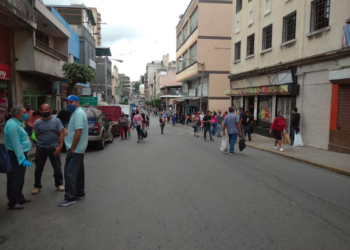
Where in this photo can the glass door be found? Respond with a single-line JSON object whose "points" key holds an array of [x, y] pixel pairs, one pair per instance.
{"points": [[285, 104]]}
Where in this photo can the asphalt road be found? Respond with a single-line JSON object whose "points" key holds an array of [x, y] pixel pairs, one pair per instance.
{"points": [[175, 191]]}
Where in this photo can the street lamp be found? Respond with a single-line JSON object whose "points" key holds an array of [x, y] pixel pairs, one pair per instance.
{"points": [[181, 59]]}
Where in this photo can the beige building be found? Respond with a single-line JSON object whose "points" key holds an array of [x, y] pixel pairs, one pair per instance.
{"points": [[292, 53], [116, 87], [97, 28], [203, 54]]}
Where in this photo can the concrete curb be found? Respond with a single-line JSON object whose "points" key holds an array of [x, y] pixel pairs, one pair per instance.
{"points": [[335, 170]]}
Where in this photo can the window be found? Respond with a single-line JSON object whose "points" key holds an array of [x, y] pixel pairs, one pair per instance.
{"points": [[186, 32], [268, 6], [267, 37], [251, 17], [250, 45], [42, 37], [320, 10], [186, 59], [239, 4], [92, 54], [179, 65], [289, 27], [238, 51], [194, 20], [193, 53], [179, 40]]}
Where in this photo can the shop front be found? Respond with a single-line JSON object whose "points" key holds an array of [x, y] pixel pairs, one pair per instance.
{"points": [[264, 102]]}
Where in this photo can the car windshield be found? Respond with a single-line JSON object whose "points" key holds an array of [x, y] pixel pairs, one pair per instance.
{"points": [[90, 114]]}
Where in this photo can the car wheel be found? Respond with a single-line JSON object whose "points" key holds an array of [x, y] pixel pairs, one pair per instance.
{"points": [[101, 143], [111, 137]]}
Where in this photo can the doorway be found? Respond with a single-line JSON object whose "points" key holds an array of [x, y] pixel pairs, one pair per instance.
{"points": [[286, 104]]}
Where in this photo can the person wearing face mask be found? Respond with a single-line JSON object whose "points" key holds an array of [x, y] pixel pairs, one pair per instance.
{"points": [[278, 126], [76, 143], [49, 132], [30, 120], [294, 126], [18, 144]]}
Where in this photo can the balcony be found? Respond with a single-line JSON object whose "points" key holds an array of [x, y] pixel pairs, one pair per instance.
{"points": [[18, 13], [50, 51]]}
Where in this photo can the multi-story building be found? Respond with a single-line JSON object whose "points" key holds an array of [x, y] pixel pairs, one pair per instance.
{"points": [[116, 86], [289, 54], [151, 70], [203, 54], [126, 86], [97, 27], [102, 85]]}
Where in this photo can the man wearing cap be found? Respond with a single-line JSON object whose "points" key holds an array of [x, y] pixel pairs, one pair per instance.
{"points": [[76, 143]]}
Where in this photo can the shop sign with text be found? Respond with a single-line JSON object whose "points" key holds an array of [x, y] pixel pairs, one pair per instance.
{"points": [[4, 72], [286, 89]]}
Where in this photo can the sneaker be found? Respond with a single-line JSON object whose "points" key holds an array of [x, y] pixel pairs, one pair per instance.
{"points": [[17, 207], [281, 149], [80, 197], [66, 203], [275, 147], [60, 188], [35, 191], [230, 154]]}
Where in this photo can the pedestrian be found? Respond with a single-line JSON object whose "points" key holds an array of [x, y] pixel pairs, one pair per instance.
{"points": [[76, 143], [54, 113], [162, 123], [123, 126], [183, 118], [130, 124], [214, 123], [137, 121], [174, 119], [18, 144], [207, 126], [294, 126], [168, 117], [225, 114], [196, 121], [201, 116], [49, 132], [187, 119], [248, 125], [233, 126], [37, 116], [219, 120], [278, 126], [29, 124], [242, 121], [147, 121]]}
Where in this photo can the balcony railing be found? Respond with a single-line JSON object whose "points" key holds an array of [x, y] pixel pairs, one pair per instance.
{"points": [[51, 51], [22, 9]]}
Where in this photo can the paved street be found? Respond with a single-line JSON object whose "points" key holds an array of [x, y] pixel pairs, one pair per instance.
{"points": [[175, 191]]}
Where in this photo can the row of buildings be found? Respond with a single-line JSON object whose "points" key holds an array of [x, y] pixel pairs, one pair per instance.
{"points": [[37, 39], [266, 56]]}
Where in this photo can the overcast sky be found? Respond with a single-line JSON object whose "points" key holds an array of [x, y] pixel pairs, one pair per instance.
{"points": [[137, 31]]}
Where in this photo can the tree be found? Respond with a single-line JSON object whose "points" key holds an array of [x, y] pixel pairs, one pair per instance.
{"points": [[156, 102], [76, 73], [137, 87]]}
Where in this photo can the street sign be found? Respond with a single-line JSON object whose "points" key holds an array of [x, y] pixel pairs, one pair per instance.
{"points": [[87, 101]]}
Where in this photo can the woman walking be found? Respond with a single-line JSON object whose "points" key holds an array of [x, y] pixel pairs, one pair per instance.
{"points": [[162, 123], [278, 126], [123, 126], [138, 120], [196, 122], [213, 123]]}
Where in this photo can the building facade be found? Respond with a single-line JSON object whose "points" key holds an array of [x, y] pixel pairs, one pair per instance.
{"points": [[289, 54], [97, 28], [203, 54]]}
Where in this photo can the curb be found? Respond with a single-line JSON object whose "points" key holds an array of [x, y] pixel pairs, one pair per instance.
{"points": [[335, 170]]}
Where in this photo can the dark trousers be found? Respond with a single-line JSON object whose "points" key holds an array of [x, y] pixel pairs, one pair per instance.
{"points": [[207, 129], [40, 160], [162, 128], [74, 174], [248, 131], [15, 181], [139, 132]]}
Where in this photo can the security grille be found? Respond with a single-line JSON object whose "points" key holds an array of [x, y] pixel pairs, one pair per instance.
{"points": [[289, 26], [320, 10], [267, 37], [239, 4], [238, 51], [250, 45]]}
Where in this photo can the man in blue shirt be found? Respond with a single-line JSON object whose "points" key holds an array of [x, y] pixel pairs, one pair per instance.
{"points": [[76, 143], [233, 126], [18, 145]]}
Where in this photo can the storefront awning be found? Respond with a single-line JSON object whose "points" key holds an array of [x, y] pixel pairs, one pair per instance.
{"points": [[285, 89]]}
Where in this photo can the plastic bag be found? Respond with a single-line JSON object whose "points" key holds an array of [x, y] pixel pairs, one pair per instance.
{"points": [[223, 147], [5, 161], [298, 141], [242, 145]]}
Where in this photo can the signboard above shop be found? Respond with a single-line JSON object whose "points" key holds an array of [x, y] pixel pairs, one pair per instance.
{"points": [[87, 101], [4, 72], [286, 89]]}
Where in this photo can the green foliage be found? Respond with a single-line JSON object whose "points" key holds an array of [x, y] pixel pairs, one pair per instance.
{"points": [[148, 103], [76, 73], [156, 102], [137, 87]]}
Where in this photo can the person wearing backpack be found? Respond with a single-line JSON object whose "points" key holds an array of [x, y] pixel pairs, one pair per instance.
{"points": [[123, 126], [219, 120], [278, 126]]}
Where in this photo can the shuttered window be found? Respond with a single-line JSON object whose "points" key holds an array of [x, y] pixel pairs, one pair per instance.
{"points": [[344, 108]]}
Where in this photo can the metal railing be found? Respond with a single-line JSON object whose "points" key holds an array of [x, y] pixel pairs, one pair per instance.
{"points": [[24, 9], [51, 51]]}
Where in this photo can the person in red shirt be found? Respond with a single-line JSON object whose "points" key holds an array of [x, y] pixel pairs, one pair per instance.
{"points": [[30, 121], [278, 126]]}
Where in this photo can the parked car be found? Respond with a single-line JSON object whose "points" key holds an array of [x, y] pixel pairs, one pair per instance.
{"points": [[100, 130]]}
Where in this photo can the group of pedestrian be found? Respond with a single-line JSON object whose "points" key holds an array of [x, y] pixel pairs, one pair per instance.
{"points": [[50, 135]]}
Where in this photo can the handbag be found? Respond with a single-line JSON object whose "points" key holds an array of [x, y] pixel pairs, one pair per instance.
{"points": [[286, 139], [298, 141], [242, 145], [144, 133], [223, 147], [5, 161]]}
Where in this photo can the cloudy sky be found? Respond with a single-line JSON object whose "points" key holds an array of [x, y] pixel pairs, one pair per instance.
{"points": [[137, 31]]}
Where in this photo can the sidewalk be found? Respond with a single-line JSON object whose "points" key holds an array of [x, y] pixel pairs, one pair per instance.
{"points": [[336, 162]]}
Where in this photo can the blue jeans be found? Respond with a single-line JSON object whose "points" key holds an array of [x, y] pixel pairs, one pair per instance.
{"points": [[232, 140], [292, 135], [196, 128], [218, 130], [213, 131], [205, 133]]}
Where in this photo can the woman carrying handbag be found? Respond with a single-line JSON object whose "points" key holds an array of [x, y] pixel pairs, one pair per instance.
{"points": [[278, 126]]}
